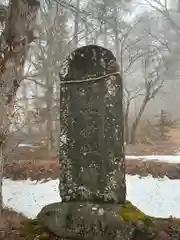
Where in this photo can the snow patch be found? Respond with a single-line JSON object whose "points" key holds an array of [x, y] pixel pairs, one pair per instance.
{"points": [[155, 197], [159, 158], [28, 197], [27, 145]]}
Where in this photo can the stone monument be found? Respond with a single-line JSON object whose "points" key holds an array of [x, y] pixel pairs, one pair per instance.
{"points": [[92, 181], [92, 124]]}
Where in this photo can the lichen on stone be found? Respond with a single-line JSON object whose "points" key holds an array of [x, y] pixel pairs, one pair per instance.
{"points": [[92, 123]]}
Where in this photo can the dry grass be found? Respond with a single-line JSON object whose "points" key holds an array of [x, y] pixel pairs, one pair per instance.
{"points": [[10, 225], [156, 169], [14, 226], [41, 164], [45, 169], [35, 170], [156, 146]]}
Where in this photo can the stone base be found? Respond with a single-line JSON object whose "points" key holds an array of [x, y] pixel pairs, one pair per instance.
{"points": [[90, 221]]}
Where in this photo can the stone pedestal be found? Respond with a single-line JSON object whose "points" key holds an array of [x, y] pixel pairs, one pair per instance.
{"points": [[86, 221]]}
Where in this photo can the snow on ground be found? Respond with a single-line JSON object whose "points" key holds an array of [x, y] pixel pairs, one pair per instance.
{"points": [[28, 145], [155, 197], [160, 158], [28, 197]]}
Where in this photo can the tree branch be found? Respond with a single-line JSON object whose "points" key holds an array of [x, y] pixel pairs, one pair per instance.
{"points": [[3, 14], [14, 45]]}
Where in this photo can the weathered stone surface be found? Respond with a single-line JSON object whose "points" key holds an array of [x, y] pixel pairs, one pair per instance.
{"points": [[92, 144], [92, 181], [86, 221]]}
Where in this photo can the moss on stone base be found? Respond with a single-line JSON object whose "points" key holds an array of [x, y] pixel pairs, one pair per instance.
{"points": [[33, 230], [128, 212]]}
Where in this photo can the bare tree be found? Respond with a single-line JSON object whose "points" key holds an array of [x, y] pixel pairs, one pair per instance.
{"points": [[153, 82], [167, 12], [141, 53], [76, 25], [48, 54], [14, 45], [129, 96], [179, 6]]}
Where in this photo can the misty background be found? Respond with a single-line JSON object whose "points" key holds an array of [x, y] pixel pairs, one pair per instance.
{"points": [[143, 35]]}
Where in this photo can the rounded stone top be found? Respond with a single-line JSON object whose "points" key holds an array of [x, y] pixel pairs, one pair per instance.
{"points": [[87, 61]]}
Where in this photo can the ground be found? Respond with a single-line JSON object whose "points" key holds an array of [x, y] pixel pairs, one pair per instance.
{"points": [[49, 168], [158, 147], [14, 226], [39, 164], [10, 225]]}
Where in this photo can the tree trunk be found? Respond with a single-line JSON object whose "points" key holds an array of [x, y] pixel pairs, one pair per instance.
{"points": [[117, 45], [126, 124], [3, 140], [136, 122], [14, 44], [179, 6], [56, 95], [26, 107], [76, 27], [105, 35], [49, 125]]}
